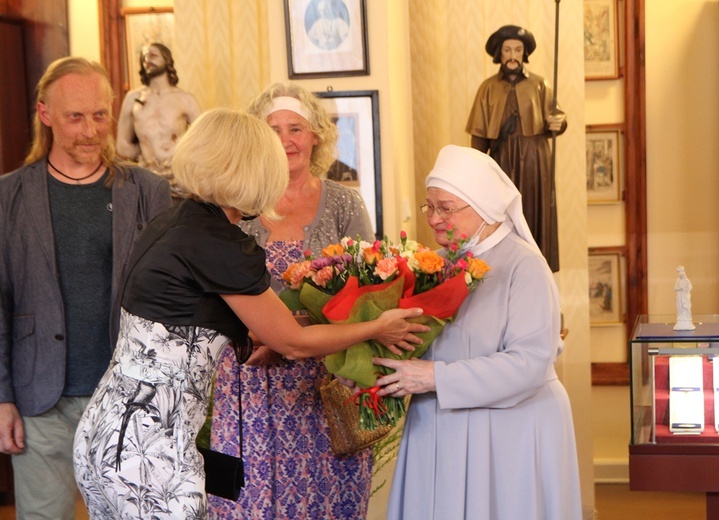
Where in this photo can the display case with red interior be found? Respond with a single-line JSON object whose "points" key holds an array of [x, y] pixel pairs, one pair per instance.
{"points": [[674, 395]]}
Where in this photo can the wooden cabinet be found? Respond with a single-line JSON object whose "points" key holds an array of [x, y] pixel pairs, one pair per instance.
{"points": [[14, 106], [665, 453]]}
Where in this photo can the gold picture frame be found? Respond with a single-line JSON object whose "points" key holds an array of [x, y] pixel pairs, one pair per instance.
{"points": [[143, 26], [601, 39], [605, 167], [606, 285]]}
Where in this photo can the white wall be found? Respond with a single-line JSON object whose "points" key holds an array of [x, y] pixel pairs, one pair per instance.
{"points": [[84, 29]]}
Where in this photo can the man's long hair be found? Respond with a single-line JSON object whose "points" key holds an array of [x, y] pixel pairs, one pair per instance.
{"points": [[169, 62], [42, 134]]}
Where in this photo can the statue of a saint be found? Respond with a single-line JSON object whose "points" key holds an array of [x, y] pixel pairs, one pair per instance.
{"points": [[683, 288]]}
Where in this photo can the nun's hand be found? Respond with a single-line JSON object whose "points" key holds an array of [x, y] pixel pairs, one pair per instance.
{"points": [[413, 376]]}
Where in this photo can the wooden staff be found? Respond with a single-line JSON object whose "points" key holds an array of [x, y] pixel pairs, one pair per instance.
{"points": [[554, 90]]}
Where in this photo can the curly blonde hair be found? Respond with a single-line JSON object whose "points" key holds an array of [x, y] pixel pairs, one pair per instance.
{"points": [[320, 123]]}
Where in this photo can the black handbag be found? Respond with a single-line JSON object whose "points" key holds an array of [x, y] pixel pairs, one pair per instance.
{"points": [[225, 474]]}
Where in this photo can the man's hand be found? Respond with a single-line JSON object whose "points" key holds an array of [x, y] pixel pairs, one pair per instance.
{"points": [[12, 433], [555, 122]]}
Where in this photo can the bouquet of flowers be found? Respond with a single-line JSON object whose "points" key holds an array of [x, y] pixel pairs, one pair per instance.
{"points": [[356, 281]]}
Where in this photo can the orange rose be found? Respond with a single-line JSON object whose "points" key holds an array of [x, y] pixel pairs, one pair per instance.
{"points": [[333, 250], [477, 268], [429, 262], [372, 255]]}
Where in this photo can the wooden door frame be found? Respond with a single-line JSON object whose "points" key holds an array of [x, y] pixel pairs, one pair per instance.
{"points": [[111, 48], [635, 195]]}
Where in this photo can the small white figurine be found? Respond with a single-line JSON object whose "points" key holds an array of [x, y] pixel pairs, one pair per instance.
{"points": [[683, 288]]}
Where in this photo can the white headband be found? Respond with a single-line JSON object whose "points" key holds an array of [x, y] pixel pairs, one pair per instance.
{"points": [[287, 103]]}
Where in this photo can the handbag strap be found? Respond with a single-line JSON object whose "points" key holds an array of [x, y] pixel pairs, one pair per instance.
{"points": [[239, 351]]}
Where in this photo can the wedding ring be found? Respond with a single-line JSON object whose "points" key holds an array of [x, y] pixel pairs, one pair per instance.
{"points": [[398, 387]]}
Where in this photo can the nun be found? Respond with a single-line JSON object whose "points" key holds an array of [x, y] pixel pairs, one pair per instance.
{"points": [[488, 434]]}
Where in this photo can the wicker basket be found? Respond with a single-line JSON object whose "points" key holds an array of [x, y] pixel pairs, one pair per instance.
{"points": [[343, 420]]}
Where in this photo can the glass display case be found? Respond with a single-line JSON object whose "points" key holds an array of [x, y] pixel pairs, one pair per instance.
{"points": [[675, 407]]}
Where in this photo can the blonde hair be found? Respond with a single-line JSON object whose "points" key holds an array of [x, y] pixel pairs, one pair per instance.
{"points": [[323, 154], [232, 159], [42, 134]]}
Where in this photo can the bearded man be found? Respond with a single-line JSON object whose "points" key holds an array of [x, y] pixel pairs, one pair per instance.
{"points": [[154, 116], [68, 221], [512, 119]]}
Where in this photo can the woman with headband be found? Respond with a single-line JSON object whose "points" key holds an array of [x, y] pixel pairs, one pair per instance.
{"points": [[291, 471], [489, 432]]}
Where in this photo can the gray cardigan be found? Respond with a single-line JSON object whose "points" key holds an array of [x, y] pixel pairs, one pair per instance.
{"points": [[32, 322], [341, 212]]}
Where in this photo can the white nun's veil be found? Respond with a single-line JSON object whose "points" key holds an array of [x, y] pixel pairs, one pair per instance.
{"points": [[478, 180]]}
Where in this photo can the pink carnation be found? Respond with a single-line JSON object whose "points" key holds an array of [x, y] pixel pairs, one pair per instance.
{"points": [[324, 275], [386, 267], [298, 274]]}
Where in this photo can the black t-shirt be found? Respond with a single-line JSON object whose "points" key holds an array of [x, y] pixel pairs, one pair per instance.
{"points": [[82, 228], [184, 261]]}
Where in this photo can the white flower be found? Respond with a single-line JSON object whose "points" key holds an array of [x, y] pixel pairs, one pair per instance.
{"points": [[412, 262], [468, 279], [411, 245]]}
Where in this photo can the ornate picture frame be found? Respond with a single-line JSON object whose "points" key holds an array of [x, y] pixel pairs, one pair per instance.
{"points": [[326, 38], [606, 266], [358, 163], [143, 26], [605, 164], [601, 39]]}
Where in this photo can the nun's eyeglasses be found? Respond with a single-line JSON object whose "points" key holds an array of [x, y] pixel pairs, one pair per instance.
{"points": [[443, 213]]}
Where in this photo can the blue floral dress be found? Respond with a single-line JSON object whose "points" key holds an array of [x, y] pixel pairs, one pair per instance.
{"points": [[290, 469]]}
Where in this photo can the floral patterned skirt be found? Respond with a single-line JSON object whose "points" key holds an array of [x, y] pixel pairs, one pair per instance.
{"points": [[134, 450]]}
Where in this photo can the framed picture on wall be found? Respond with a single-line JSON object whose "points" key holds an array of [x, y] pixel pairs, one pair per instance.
{"points": [[606, 285], [326, 38], [601, 40], [605, 155], [143, 26], [358, 164]]}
